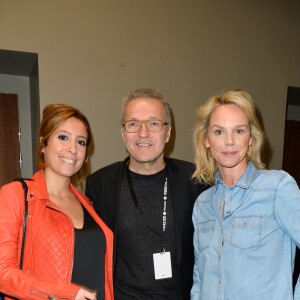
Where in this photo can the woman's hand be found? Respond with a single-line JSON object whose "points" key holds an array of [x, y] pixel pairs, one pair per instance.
{"points": [[85, 293]]}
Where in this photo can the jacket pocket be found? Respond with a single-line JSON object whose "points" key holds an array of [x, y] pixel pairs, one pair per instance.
{"points": [[205, 232], [246, 231]]}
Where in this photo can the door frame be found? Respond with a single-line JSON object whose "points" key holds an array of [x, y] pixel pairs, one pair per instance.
{"points": [[19, 72]]}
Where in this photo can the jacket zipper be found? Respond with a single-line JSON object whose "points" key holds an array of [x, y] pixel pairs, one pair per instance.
{"points": [[47, 296]]}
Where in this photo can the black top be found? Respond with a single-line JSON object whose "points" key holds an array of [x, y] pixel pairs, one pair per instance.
{"points": [[89, 252], [140, 236]]}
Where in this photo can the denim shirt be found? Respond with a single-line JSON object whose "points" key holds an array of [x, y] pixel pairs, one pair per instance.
{"points": [[249, 253]]}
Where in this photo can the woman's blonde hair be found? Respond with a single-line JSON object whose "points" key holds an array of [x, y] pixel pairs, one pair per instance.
{"points": [[206, 167], [53, 116]]}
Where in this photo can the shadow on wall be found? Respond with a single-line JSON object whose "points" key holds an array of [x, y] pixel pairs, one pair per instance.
{"points": [[171, 144], [266, 151]]}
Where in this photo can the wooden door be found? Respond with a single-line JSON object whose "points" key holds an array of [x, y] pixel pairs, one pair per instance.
{"points": [[10, 145], [291, 160], [291, 164]]}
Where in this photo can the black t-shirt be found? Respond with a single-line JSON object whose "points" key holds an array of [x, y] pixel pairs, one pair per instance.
{"points": [[140, 235], [89, 253]]}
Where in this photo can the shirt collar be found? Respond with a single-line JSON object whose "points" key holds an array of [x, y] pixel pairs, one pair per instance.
{"points": [[245, 180]]}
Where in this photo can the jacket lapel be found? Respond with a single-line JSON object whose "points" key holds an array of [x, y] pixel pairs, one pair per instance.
{"points": [[177, 192]]}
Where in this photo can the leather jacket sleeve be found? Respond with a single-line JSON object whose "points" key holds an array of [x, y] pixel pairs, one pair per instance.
{"points": [[13, 281]]}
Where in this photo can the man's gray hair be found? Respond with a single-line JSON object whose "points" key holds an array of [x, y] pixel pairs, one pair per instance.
{"points": [[149, 93]]}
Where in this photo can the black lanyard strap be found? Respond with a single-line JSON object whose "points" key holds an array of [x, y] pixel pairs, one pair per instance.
{"points": [[136, 203]]}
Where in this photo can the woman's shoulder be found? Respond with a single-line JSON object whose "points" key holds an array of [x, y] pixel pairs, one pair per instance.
{"points": [[11, 187], [274, 177], [273, 173]]}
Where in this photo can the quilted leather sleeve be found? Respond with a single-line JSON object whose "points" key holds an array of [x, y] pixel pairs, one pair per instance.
{"points": [[13, 281]]}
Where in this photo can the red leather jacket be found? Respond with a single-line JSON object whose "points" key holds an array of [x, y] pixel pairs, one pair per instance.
{"points": [[48, 256]]}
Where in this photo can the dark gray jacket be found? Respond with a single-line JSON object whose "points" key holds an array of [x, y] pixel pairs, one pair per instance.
{"points": [[103, 189]]}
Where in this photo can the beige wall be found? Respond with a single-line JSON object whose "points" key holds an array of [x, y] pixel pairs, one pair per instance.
{"points": [[91, 53]]}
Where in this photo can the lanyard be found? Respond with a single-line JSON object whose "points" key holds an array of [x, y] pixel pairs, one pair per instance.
{"points": [[165, 204], [135, 200]]}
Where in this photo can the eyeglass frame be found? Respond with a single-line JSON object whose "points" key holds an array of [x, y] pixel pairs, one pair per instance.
{"points": [[144, 122]]}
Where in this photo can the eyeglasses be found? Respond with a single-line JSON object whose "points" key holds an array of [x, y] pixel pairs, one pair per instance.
{"points": [[152, 125]]}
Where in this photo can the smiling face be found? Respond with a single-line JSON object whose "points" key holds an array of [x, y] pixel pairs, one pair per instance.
{"points": [[65, 151], [144, 147], [228, 138]]}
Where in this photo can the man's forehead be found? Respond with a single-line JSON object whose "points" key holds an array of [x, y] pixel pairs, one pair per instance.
{"points": [[144, 103]]}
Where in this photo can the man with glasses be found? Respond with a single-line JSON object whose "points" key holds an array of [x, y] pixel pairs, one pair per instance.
{"points": [[147, 200]]}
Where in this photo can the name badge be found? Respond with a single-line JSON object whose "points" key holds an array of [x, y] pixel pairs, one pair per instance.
{"points": [[162, 265]]}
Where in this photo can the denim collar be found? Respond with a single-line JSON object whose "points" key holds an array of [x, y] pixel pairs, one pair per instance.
{"points": [[245, 180]]}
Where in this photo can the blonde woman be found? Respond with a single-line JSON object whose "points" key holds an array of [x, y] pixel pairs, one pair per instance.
{"points": [[247, 225]]}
